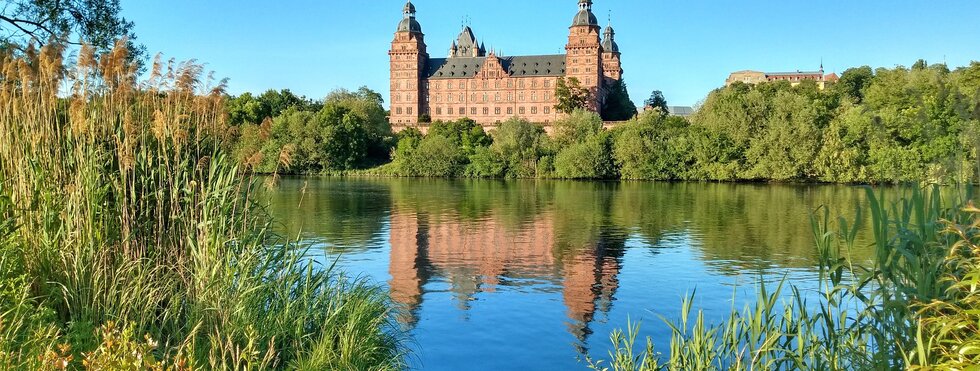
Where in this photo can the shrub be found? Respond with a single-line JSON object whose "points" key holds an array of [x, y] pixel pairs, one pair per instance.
{"points": [[435, 156], [591, 159]]}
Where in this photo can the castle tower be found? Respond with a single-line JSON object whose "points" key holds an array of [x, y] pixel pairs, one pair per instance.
{"points": [[612, 67], [584, 52], [407, 60]]}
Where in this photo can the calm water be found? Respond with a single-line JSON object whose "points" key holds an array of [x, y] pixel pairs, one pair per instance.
{"points": [[533, 275]]}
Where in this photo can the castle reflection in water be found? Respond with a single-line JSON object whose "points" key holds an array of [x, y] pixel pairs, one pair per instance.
{"points": [[480, 255]]}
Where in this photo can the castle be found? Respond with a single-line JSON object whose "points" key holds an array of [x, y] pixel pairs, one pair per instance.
{"points": [[794, 78], [489, 88]]}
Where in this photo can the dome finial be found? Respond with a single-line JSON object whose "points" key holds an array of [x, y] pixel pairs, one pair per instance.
{"points": [[585, 16], [408, 23]]}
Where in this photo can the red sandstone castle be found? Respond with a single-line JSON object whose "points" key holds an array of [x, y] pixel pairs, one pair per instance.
{"points": [[490, 88]]}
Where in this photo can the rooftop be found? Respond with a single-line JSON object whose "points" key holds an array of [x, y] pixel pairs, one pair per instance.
{"points": [[516, 66]]}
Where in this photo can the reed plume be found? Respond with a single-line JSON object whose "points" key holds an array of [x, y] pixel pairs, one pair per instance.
{"points": [[127, 230]]}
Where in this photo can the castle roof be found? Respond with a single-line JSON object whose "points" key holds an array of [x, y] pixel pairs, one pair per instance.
{"points": [[585, 16], [608, 42], [408, 22], [409, 25], [516, 66]]}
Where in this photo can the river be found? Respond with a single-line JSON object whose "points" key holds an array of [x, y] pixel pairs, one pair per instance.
{"points": [[534, 275]]}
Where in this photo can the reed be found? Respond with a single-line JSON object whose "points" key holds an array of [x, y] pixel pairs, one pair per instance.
{"points": [[913, 306], [127, 230]]}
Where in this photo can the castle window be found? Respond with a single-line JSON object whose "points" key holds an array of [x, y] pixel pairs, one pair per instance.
{"points": [[486, 111], [438, 110], [534, 83], [462, 85], [520, 110], [398, 110], [496, 97], [510, 84], [408, 110], [473, 85], [510, 110], [510, 97], [473, 111], [546, 96], [547, 110], [547, 84], [534, 96], [462, 111], [520, 96], [398, 97], [496, 111], [486, 84], [496, 84], [486, 97], [462, 98], [520, 84]]}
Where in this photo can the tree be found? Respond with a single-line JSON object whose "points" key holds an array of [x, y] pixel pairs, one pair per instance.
{"points": [[657, 101], [95, 22], [853, 81], [618, 106], [590, 159], [570, 95], [521, 143], [652, 147], [464, 133], [576, 127], [435, 156]]}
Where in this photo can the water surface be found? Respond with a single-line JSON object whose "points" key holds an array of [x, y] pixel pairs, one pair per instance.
{"points": [[534, 275]]}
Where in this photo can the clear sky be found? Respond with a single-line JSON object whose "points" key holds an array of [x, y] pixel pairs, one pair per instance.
{"points": [[684, 48]]}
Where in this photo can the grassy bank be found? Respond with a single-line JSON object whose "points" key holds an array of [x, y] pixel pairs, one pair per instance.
{"points": [[914, 306], [129, 240]]}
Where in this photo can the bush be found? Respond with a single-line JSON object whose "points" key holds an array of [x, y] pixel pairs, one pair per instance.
{"points": [[520, 143], [435, 156], [591, 159]]}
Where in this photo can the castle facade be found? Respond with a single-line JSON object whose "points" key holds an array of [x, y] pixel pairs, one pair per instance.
{"points": [[489, 88]]}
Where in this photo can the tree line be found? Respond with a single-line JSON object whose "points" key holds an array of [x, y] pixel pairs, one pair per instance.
{"points": [[886, 125]]}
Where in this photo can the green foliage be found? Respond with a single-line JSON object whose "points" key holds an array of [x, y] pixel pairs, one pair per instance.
{"points": [[912, 306], [589, 159], [657, 102], [247, 109], [348, 130], [852, 83], [653, 147], [617, 105], [127, 211], [463, 133], [434, 156], [520, 144], [570, 94], [95, 22], [577, 127]]}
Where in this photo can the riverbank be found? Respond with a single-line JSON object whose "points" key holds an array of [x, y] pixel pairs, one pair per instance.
{"points": [[886, 126], [129, 239]]}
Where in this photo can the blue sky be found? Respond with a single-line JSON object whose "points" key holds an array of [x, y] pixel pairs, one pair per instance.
{"points": [[684, 48]]}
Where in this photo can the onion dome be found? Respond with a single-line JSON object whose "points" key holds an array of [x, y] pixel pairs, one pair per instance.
{"points": [[609, 41], [585, 16], [408, 23]]}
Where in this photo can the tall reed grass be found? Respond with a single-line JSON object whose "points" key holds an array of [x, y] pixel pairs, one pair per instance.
{"points": [[914, 306], [128, 237]]}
